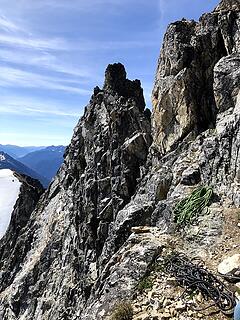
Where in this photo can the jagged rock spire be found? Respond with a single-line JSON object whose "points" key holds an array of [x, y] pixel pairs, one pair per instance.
{"points": [[100, 173], [116, 82], [115, 76], [228, 5]]}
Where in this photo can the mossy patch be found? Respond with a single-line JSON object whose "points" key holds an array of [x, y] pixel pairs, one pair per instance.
{"points": [[122, 311], [145, 283]]}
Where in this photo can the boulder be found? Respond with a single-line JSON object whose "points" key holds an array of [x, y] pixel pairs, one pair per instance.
{"points": [[229, 264]]}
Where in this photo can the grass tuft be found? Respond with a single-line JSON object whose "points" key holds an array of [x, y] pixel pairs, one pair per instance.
{"points": [[123, 311]]}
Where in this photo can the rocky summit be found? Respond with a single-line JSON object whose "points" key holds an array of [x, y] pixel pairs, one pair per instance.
{"points": [[136, 187]]}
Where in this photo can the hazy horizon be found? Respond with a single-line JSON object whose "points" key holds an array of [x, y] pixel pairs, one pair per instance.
{"points": [[28, 146]]}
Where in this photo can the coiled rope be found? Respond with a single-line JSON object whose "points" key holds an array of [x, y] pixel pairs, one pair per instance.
{"points": [[195, 278], [189, 208]]}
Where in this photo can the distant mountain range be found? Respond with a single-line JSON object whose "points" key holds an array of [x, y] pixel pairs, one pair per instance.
{"points": [[16, 151], [40, 163], [7, 162], [46, 161]]}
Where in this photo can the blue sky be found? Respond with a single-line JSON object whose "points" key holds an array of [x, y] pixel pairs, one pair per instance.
{"points": [[54, 52]]}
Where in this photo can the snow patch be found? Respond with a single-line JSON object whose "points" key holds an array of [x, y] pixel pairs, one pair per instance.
{"points": [[9, 192], [2, 157]]}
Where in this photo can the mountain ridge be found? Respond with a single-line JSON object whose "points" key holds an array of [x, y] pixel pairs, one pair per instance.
{"points": [[7, 162], [109, 215], [45, 161], [17, 151]]}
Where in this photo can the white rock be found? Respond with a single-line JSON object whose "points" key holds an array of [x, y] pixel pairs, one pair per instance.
{"points": [[140, 229], [229, 264], [180, 306]]}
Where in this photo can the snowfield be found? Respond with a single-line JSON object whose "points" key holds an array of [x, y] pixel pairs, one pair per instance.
{"points": [[9, 192]]}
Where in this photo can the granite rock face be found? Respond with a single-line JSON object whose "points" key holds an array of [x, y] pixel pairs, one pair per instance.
{"points": [[227, 5], [226, 81], [78, 255], [183, 100]]}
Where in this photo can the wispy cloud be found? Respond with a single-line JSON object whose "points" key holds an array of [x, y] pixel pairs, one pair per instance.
{"points": [[11, 108], [13, 77], [59, 44], [113, 45], [14, 34], [34, 52], [48, 61], [80, 5], [28, 107], [36, 139], [33, 43], [8, 25], [43, 54]]}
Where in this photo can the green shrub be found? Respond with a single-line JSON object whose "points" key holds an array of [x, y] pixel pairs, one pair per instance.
{"points": [[189, 208], [123, 311], [145, 283]]}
